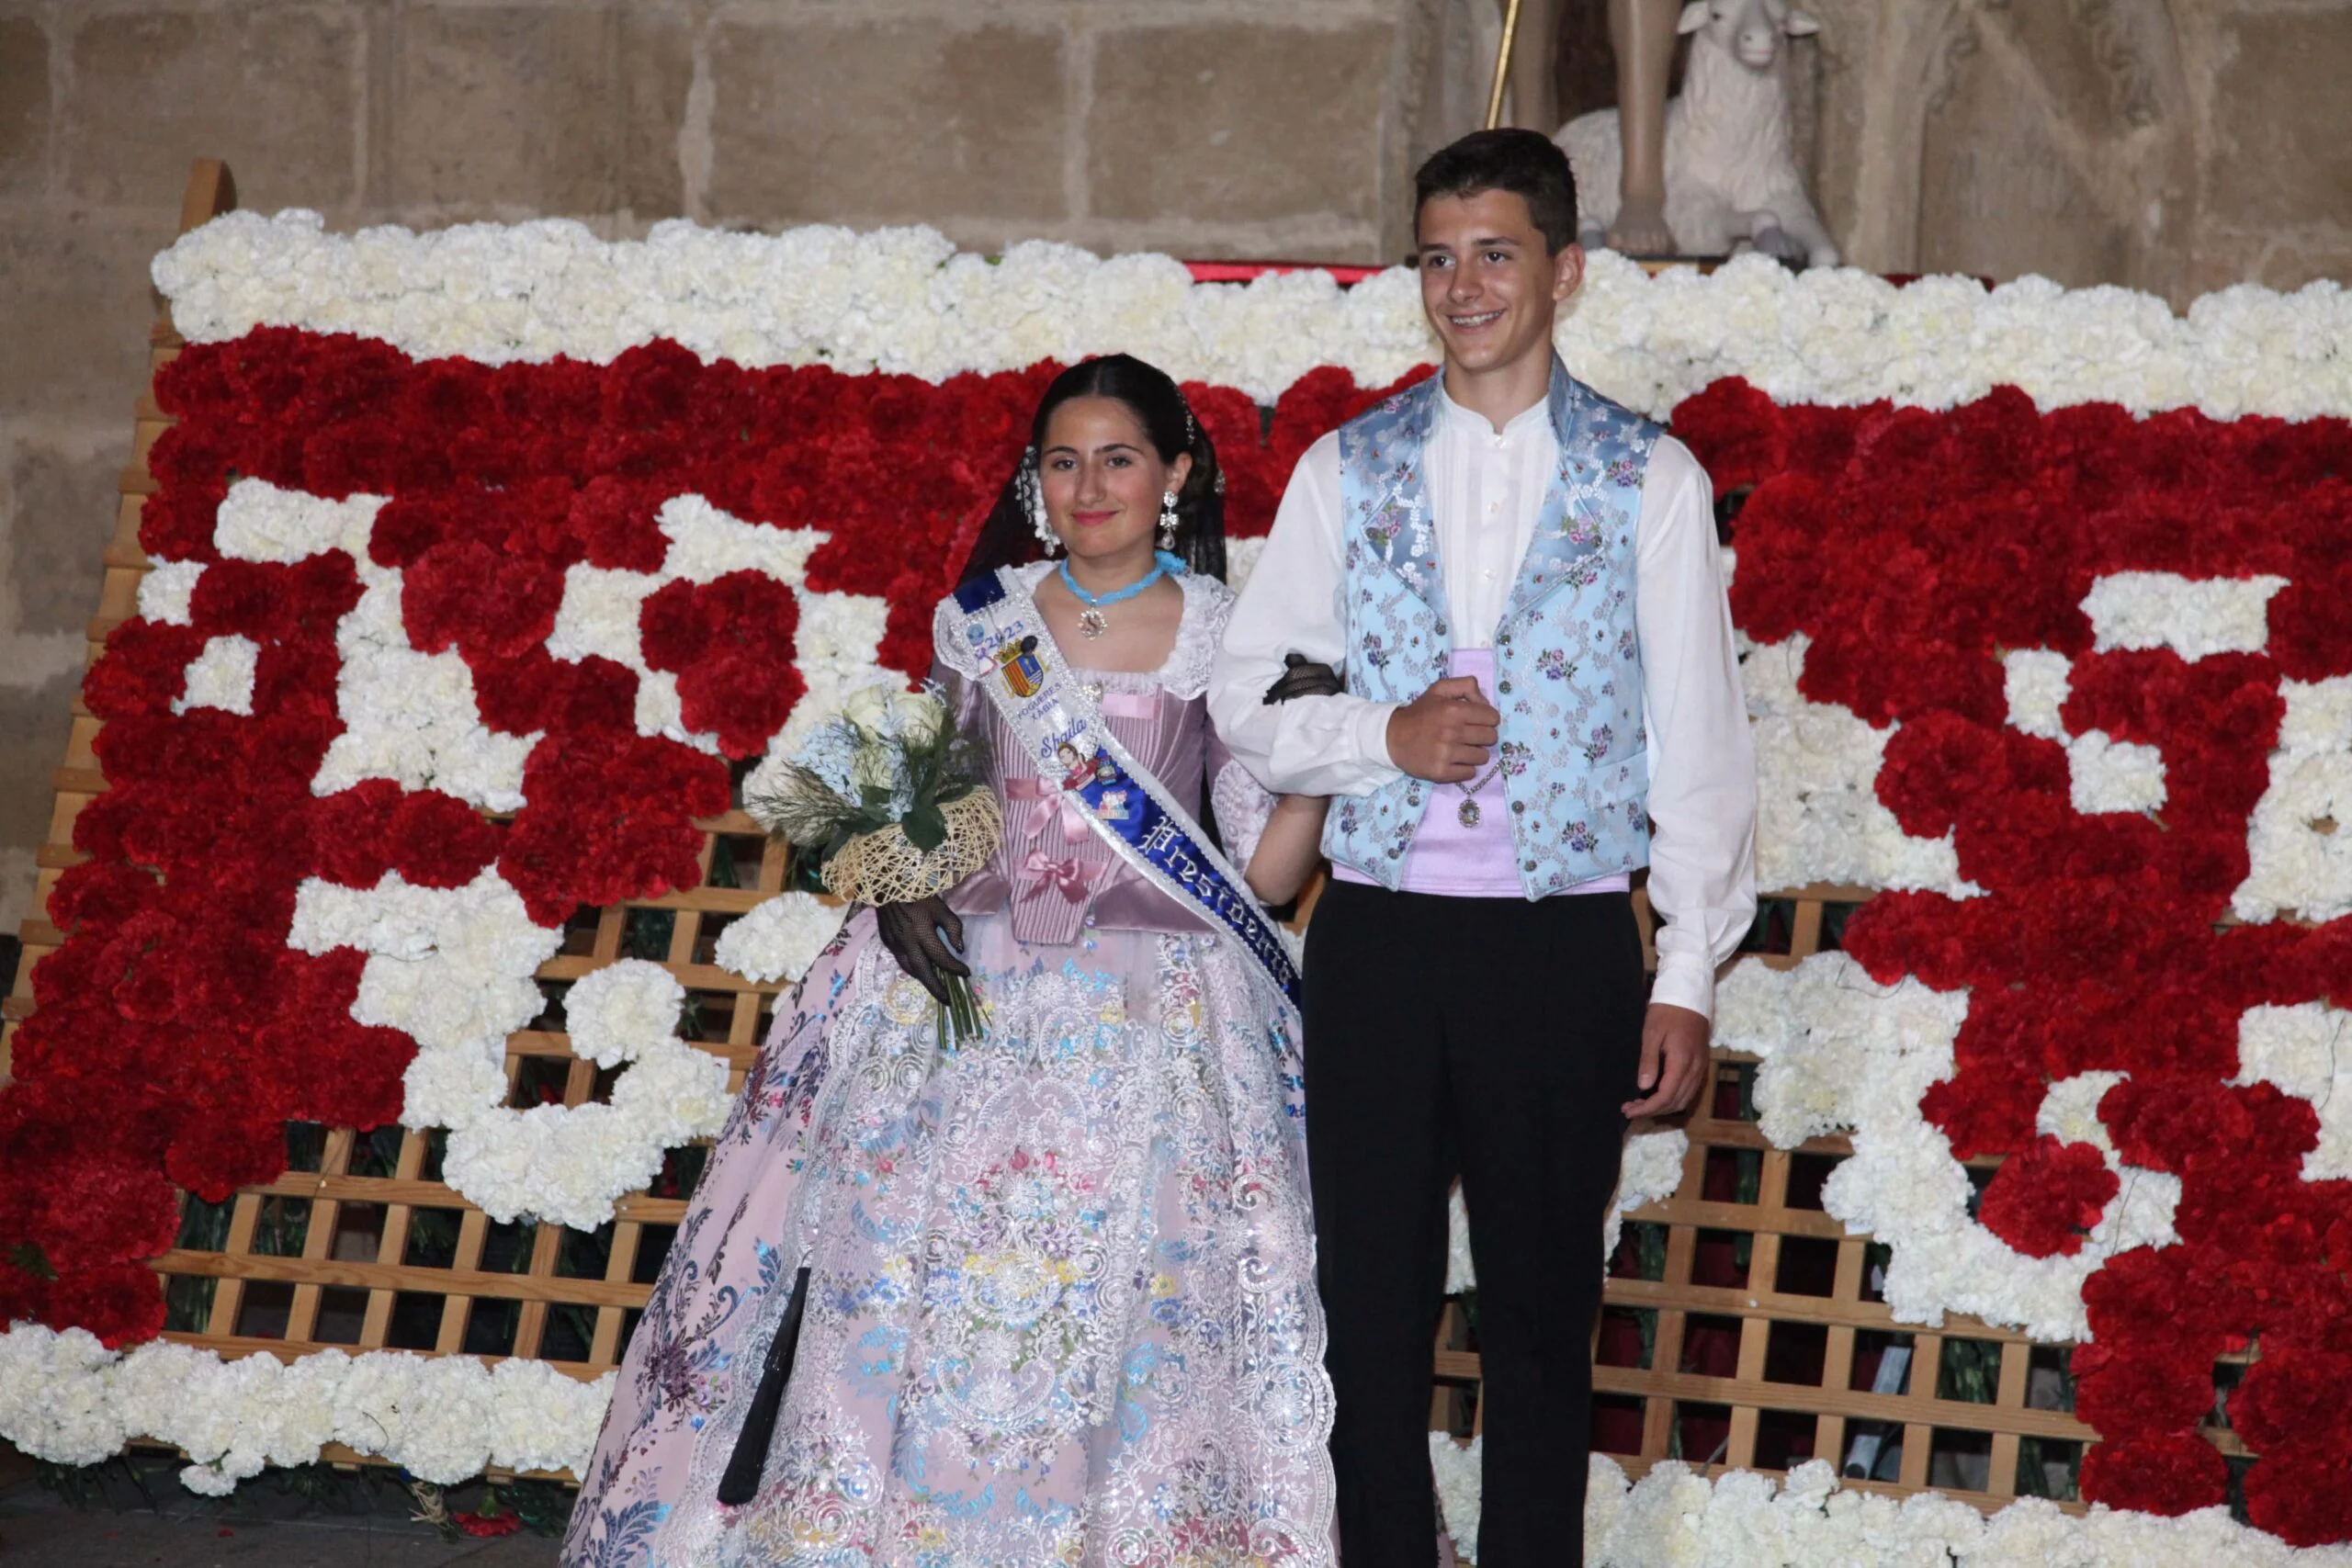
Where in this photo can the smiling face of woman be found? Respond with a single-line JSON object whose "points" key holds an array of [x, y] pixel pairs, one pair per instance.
{"points": [[1103, 480]]}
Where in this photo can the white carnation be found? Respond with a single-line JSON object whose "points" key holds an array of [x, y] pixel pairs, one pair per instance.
{"points": [[616, 1013], [904, 300], [706, 544], [167, 591], [257, 521], [1455, 1468], [2306, 1051], [221, 676], [2035, 681], [599, 615], [1819, 818], [2107, 774], [780, 937], [2069, 1109], [2196, 617], [53, 1395], [2300, 853]]}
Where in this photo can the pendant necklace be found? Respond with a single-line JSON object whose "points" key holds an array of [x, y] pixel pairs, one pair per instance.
{"points": [[1467, 813], [1091, 622]]}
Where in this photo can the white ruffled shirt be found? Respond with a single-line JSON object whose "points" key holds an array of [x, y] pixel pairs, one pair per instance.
{"points": [[1485, 487]]}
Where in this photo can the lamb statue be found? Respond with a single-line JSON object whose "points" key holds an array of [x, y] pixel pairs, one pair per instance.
{"points": [[1730, 175]]}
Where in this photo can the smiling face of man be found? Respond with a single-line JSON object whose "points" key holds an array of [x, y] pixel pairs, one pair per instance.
{"points": [[1491, 285]]}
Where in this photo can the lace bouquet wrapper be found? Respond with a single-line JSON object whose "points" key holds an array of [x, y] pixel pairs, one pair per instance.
{"points": [[888, 801]]}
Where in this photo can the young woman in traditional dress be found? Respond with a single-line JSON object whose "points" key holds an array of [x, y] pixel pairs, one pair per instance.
{"points": [[1044, 1297]]}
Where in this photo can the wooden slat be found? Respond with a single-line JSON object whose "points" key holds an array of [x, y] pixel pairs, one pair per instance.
{"points": [[386, 1278], [1852, 1404]]}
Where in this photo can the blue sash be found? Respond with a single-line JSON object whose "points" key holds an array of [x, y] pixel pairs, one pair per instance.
{"points": [[1067, 741]]}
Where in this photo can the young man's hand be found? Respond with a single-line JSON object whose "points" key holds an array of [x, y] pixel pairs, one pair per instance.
{"points": [[1674, 1060], [1445, 733]]}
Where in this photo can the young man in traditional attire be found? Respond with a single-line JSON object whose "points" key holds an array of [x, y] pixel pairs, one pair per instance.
{"points": [[1518, 579]]}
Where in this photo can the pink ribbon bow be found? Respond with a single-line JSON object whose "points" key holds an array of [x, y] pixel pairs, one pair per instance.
{"points": [[1053, 804], [1067, 877]]}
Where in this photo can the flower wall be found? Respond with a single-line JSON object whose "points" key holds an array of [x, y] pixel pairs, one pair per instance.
{"points": [[482, 558]]}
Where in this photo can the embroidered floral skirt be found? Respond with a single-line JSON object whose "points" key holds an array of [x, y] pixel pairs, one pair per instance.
{"points": [[1061, 1301]]}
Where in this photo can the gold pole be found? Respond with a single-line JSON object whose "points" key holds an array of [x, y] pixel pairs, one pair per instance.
{"points": [[1502, 67]]}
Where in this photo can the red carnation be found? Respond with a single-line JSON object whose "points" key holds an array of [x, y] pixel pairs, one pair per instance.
{"points": [[348, 832], [532, 692], [2296, 1400], [2304, 1499], [485, 1525], [92, 1212], [2169, 1472], [2046, 1197], [2310, 636], [730, 644], [1733, 431], [485, 604], [216, 1152], [272, 602], [2143, 1389], [144, 669], [610, 817], [2152, 1297], [122, 1304], [98, 892], [614, 520]]}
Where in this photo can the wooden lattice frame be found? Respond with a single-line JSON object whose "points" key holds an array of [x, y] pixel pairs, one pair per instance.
{"points": [[350, 1202]]}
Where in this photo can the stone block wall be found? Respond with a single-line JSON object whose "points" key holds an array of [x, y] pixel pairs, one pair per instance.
{"points": [[2176, 146], [2170, 144]]}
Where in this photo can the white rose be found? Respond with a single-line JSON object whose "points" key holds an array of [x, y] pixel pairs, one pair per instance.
{"points": [[868, 708], [918, 716]]}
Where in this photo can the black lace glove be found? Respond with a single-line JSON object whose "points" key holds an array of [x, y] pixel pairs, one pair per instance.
{"points": [[912, 932], [1302, 677]]}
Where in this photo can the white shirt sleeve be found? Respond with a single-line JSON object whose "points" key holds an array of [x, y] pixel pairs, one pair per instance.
{"points": [[1703, 761], [1295, 603]]}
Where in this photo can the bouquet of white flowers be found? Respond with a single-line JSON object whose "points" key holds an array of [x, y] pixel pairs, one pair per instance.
{"points": [[889, 799]]}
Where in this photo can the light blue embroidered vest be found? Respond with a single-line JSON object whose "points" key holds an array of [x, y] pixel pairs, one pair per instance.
{"points": [[1567, 668]]}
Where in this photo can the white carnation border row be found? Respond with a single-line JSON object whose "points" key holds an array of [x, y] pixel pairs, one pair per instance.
{"points": [[1674, 1517], [66, 1398], [906, 300]]}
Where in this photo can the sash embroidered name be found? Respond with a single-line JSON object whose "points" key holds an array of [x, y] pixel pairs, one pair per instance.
{"points": [[1069, 743]]}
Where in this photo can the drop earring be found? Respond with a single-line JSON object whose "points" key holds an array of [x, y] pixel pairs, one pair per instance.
{"points": [[1168, 520], [1033, 495]]}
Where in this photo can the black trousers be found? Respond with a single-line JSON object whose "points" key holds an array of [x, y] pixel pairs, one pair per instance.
{"points": [[1495, 1039]]}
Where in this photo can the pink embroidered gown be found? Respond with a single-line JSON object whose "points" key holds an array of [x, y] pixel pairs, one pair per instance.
{"points": [[1061, 1304]]}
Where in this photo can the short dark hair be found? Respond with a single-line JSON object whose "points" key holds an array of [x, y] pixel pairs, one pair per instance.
{"points": [[1525, 163]]}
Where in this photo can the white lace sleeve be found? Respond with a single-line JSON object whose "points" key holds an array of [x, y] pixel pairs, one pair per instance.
{"points": [[1208, 605], [1242, 806]]}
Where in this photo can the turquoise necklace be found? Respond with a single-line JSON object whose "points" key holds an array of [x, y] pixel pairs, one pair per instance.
{"points": [[1090, 620]]}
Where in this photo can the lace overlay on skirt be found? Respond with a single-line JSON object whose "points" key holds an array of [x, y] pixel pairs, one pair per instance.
{"points": [[1061, 1304]]}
